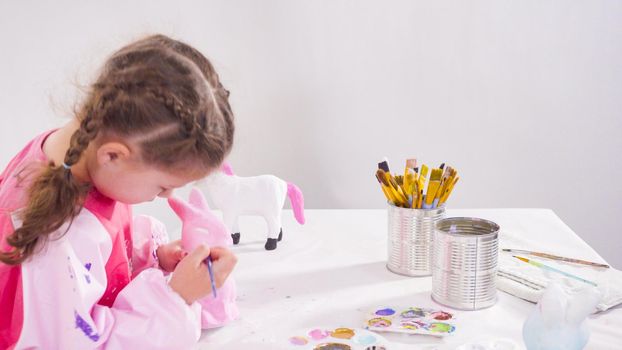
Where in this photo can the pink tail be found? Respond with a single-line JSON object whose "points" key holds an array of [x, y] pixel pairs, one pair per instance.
{"points": [[298, 202]]}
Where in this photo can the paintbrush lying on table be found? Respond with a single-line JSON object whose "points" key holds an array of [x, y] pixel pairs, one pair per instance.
{"points": [[556, 257]]}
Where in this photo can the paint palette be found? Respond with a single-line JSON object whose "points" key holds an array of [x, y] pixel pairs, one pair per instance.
{"points": [[337, 339], [411, 320]]}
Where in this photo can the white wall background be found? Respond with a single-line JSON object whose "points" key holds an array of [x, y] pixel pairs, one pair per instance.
{"points": [[524, 97]]}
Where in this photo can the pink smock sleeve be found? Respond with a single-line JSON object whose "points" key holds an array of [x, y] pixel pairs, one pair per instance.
{"points": [[148, 234], [64, 281]]}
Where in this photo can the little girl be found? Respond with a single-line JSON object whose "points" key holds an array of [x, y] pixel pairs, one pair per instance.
{"points": [[77, 271]]}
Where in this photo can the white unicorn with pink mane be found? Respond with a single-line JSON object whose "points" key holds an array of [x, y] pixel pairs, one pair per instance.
{"points": [[262, 195]]}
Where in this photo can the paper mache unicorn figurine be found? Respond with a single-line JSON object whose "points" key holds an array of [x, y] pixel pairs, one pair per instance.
{"points": [[201, 226], [557, 323], [262, 195]]}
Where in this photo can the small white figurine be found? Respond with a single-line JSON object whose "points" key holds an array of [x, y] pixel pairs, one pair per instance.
{"points": [[262, 195], [557, 321]]}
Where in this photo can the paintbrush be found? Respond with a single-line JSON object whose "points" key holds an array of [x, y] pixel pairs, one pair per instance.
{"points": [[420, 199], [556, 257], [381, 176], [397, 187], [446, 181], [394, 188], [383, 187], [384, 165], [423, 176], [411, 163], [399, 179], [210, 270], [414, 195], [444, 184], [433, 185], [410, 180], [549, 268], [450, 188]]}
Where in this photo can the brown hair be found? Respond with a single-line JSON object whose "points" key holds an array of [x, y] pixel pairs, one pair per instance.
{"points": [[162, 94]]}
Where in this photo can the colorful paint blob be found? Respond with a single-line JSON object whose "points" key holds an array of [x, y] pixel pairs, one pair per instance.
{"points": [[413, 312], [411, 324], [297, 340], [318, 334], [411, 320], [365, 339], [385, 312], [379, 322], [342, 333], [332, 346], [440, 315], [441, 327], [320, 338]]}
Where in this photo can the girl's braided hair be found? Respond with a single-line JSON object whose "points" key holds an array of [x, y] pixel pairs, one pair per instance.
{"points": [[158, 92]]}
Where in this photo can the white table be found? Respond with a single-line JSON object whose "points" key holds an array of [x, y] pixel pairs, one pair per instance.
{"points": [[332, 271]]}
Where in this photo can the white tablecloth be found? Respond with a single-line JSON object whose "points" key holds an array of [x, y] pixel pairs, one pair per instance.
{"points": [[332, 271]]}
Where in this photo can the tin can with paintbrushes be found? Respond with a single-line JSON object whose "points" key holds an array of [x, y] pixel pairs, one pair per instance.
{"points": [[410, 239]]}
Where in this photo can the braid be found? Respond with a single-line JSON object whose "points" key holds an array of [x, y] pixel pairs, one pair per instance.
{"points": [[158, 93], [218, 93], [55, 197], [89, 127], [183, 114]]}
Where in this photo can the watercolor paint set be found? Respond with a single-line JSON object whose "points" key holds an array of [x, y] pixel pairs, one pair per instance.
{"points": [[337, 339], [411, 320]]}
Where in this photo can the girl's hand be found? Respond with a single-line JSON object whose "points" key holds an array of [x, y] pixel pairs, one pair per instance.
{"points": [[170, 254], [223, 262], [191, 278]]}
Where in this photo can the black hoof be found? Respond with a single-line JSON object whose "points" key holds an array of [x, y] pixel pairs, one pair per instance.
{"points": [[236, 238], [271, 244], [280, 235]]}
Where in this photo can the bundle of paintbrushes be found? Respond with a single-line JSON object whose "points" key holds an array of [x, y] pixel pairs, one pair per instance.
{"points": [[413, 189]]}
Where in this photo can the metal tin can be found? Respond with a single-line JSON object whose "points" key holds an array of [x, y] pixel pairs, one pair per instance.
{"points": [[410, 239], [464, 263]]}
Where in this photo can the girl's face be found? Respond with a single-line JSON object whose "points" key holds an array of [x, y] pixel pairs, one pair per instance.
{"points": [[134, 186], [117, 174]]}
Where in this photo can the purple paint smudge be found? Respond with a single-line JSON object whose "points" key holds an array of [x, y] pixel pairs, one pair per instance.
{"points": [[85, 327], [385, 312]]}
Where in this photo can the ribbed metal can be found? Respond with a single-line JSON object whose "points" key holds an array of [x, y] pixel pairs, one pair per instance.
{"points": [[410, 239], [464, 263]]}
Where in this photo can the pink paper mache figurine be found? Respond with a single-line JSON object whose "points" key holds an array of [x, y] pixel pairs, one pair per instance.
{"points": [[201, 226]]}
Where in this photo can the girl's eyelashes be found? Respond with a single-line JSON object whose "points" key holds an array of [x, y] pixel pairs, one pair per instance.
{"points": [[166, 191]]}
